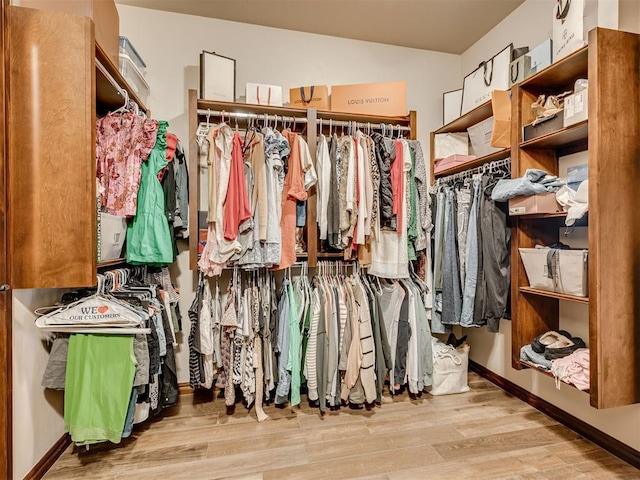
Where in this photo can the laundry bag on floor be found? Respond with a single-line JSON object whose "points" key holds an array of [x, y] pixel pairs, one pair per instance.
{"points": [[450, 367]]}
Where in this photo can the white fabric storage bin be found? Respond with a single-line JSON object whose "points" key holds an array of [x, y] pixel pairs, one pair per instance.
{"points": [[480, 136], [450, 367], [113, 231], [448, 144], [568, 270]]}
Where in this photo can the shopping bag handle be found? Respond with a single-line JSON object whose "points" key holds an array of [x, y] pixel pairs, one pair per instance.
{"points": [[562, 12], [517, 65], [304, 98], [484, 72], [258, 95]]}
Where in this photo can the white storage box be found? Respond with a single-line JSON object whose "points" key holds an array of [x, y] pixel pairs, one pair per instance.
{"points": [[576, 108], [127, 48], [555, 270], [480, 136], [134, 78], [113, 231], [448, 144]]}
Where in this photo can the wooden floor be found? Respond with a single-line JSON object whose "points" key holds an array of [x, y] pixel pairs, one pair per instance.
{"points": [[483, 434]]}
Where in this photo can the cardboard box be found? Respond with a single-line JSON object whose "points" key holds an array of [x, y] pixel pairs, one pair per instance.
{"points": [[480, 136], [452, 161], [316, 96], [552, 124], [386, 99], [103, 13], [576, 108], [532, 204]]}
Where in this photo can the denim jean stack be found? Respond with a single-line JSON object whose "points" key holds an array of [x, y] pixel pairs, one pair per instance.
{"points": [[471, 262]]}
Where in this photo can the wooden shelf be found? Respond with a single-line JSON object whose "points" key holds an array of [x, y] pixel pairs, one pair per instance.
{"points": [[469, 119], [563, 138], [361, 118], [235, 107], [108, 98], [478, 162], [539, 216], [547, 373], [111, 263], [559, 296], [560, 74]]}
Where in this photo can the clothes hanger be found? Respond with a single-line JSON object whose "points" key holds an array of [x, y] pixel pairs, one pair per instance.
{"points": [[124, 108]]}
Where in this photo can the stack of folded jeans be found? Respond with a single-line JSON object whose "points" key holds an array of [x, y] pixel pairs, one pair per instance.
{"points": [[533, 182]]}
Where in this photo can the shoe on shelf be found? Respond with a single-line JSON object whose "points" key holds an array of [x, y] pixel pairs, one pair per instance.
{"points": [[541, 342], [558, 351]]}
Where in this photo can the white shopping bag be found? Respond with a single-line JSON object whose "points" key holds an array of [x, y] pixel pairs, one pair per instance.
{"points": [[263, 94], [572, 20], [490, 75]]}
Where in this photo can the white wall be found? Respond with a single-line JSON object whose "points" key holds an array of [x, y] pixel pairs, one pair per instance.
{"points": [[530, 24], [37, 413], [170, 44]]}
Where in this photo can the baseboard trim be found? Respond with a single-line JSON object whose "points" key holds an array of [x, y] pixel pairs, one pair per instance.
{"points": [[184, 388], [607, 442], [49, 458]]}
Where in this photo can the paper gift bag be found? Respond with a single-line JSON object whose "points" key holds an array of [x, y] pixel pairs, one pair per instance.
{"points": [[315, 96], [452, 101], [492, 74], [501, 105], [263, 94]]}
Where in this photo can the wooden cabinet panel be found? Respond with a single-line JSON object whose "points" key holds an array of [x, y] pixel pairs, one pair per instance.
{"points": [[51, 150], [614, 221]]}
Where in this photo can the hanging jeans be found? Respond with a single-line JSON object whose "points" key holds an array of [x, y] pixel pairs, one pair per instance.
{"points": [[436, 320], [471, 258], [496, 239], [463, 200], [451, 292]]}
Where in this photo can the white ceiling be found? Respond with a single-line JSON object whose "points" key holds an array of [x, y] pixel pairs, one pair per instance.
{"points": [[449, 26]]}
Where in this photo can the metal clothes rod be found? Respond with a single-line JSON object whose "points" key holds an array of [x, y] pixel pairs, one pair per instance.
{"points": [[111, 80], [486, 168], [378, 126], [257, 116]]}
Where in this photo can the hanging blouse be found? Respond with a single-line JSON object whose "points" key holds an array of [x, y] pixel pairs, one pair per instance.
{"points": [[148, 237], [123, 143]]}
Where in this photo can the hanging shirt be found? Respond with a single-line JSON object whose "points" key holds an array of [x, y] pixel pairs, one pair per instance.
{"points": [[292, 192], [324, 184], [148, 238], [236, 208], [123, 144]]}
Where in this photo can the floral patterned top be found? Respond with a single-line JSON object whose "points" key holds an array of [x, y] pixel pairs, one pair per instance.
{"points": [[123, 142]]}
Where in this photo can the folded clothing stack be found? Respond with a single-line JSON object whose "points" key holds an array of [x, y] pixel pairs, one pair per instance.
{"points": [[562, 354]]}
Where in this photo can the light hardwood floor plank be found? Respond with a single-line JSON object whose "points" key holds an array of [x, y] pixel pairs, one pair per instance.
{"points": [[483, 434]]}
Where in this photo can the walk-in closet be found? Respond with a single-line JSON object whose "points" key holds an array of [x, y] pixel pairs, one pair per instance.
{"points": [[271, 240]]}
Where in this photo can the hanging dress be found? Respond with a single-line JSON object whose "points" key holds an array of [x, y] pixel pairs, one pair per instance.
{"points": [[148, 238]]}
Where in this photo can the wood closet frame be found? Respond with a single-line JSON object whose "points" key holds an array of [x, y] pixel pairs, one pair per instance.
{"points": [[314, 119], [611, 62], [48, 240]]}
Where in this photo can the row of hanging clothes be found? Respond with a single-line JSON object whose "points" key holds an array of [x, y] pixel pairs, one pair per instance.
{"points": [[113, 352], [373, 199], [338, 338], [258, 179], [471, 250], [142, 176]]}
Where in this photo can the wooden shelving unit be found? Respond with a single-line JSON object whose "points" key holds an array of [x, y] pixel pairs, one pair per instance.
{"points": [[610, 135]]}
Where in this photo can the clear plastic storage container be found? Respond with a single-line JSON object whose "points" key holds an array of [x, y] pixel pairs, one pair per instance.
{"points": [[127, 48], [133, 76]]}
